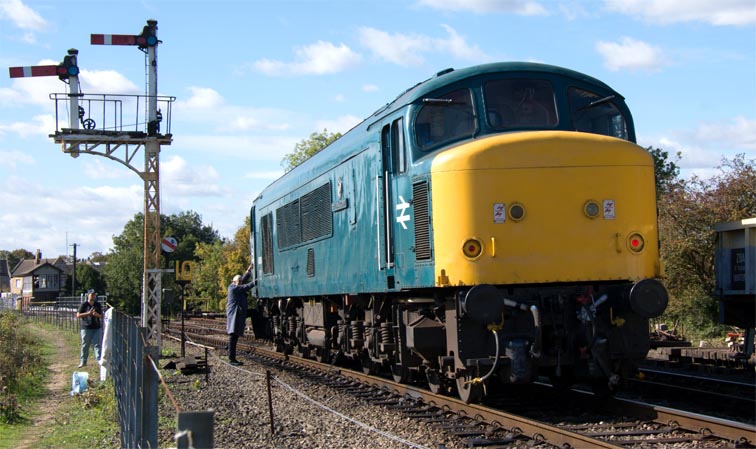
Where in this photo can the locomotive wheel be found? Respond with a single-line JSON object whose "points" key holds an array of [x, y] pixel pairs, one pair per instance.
{"points": [[469, 391], [400, 374], [322, 355], [368, 366], [436, 381]]}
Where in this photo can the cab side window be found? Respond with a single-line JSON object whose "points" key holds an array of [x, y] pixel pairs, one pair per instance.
{"points": [[444, 118], [597, 114]]}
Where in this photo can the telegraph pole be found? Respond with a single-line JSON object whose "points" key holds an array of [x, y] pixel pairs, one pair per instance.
{"points": [[73, 273]]}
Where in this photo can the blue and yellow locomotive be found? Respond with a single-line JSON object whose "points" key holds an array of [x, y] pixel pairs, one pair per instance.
{"points": [[490, 225]]}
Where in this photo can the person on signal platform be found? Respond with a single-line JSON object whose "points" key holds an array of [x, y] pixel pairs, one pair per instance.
{"points": [[236, 311]]}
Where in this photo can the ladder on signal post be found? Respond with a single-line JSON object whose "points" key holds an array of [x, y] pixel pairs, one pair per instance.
{"points": [[112, 137]]}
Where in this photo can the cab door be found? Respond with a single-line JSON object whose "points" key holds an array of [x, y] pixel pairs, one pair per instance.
{"points": [[397, 198]]}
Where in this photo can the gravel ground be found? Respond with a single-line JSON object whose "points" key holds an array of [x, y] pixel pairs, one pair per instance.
{"points": [[240, 401]]}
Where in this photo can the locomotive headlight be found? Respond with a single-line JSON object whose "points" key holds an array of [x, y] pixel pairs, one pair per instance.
{"points": [[516, 212], [635, 242], [472, 248], [591, 209]]}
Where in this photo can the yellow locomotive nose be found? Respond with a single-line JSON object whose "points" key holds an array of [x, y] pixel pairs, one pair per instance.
{"points": [[544, 207]]}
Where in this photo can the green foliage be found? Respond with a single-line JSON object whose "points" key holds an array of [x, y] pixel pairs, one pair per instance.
{"points": [[15, 256], [220, 262], [307, 148], [86, 277], [20, 366], [125, 267], [207, 282], [87, 420], [124, 270], [666, 171], [688, 211]]}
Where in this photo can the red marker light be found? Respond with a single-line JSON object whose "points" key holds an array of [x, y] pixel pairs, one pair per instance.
{"points": [[636, 242], [472, 248]]}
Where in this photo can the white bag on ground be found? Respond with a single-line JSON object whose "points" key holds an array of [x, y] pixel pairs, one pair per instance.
{"points": [[79, 382]]}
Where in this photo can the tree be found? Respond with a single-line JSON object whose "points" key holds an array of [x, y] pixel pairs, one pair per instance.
{"points": [[15, 256], [124, 270], [88, 277], [207, 281], [220, 262], [665, 170], [688, 211], [307, 148]]}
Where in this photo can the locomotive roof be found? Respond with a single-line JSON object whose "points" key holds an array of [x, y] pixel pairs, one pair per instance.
{"points": [[450, 76]]}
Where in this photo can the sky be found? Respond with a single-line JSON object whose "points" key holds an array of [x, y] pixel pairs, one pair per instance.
{"points": [[253, 78]]}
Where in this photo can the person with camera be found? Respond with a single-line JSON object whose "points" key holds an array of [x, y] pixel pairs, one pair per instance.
{"points": [[90, 325]]}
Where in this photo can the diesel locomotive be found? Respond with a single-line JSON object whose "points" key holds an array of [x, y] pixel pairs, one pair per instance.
{"points": [[490, 225]]}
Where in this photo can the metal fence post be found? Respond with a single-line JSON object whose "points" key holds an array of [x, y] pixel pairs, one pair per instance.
{"points": [[195, 430], [150, 404]]}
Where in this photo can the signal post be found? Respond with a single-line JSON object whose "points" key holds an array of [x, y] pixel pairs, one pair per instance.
{"points": [[120, 142]]}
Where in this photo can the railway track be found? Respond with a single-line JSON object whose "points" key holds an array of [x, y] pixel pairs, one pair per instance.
{"points": [[611, 424]]}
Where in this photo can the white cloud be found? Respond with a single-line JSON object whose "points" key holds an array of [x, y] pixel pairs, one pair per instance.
{"points": [[22, 16], [107, 81], [341, 124], [458, 47], [631, 54], [89, 216], [208, 106], [721, 12], [400, 49], [98, 168], [522, 7], [33, 90], [370, 88], [702, 148], [178, 178], [240, 148], [738, 134], [320, 58], [11, 159], [39, 125], [408, 49], [202, 98]]}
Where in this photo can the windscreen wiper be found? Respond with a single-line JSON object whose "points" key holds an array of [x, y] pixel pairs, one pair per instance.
{"points": [[595, 103]]}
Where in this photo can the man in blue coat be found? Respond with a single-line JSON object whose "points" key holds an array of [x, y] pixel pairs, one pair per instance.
{"points": [[236, 311]]}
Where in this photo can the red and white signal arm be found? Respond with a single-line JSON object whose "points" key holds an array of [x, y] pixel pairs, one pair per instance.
{"points": [[169, 244]]}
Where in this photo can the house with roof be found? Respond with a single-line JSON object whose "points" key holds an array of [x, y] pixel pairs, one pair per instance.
{"points": [[38, 279]]}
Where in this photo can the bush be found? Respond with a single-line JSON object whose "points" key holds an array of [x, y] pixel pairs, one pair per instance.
{"points": [[19, 360]]}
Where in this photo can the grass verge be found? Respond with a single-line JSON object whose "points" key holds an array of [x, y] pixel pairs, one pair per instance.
{"points": [[86, 420]]}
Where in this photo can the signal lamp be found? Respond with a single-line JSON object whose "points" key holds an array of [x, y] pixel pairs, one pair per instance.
{"points": [[635, 242], [472, 248], [67, 68], [516, 212], [591, 209]]}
